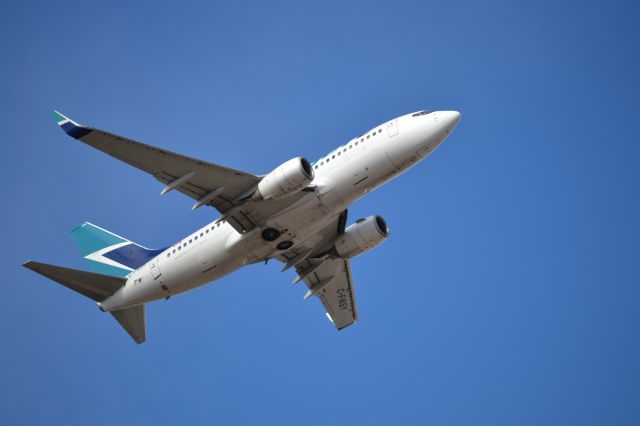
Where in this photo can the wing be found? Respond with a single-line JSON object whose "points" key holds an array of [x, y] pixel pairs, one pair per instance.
{"points": [[207, 183], [327, 277], [332, 283]]}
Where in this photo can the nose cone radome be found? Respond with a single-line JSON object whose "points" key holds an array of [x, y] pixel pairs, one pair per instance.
{"points": [[449, 118]]}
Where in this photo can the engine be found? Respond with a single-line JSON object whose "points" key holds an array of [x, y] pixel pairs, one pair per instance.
{"points": [[362, 236], [286, 179]]}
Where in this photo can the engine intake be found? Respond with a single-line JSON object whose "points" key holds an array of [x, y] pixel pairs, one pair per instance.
{"points": [[362, 236], [286, 179]]}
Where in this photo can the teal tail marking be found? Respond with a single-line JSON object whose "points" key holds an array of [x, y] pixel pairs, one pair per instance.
{"points": [[108, 253], [94, 242]]}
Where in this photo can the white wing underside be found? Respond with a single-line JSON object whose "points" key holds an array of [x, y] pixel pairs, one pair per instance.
{"points": [[204, 178], [338, 295]]}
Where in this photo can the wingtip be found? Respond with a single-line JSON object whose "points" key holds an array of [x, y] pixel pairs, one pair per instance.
{"points": [[70, 127], [60, 118]]}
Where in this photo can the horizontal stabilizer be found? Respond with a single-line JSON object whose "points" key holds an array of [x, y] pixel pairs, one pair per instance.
{"points": [[95, 286], [133, 321]]}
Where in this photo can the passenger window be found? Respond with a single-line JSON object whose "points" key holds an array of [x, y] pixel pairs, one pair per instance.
{"points": [[174, 251], [201, 234], [368, 136], [196, 238], [179, 248], [339, 152], [333, 158], [218, 224], [190, 241], [168, 254], [350, 146], [356, 143], [207, 231]]}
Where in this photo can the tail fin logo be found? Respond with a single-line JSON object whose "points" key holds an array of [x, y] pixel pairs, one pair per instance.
{"points": [[108, 253]]}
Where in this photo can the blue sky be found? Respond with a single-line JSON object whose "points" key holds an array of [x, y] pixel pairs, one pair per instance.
{"points": [[507, 293]]}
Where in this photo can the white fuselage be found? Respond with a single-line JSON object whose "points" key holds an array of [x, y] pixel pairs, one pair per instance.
{"points": [[341, 177]]}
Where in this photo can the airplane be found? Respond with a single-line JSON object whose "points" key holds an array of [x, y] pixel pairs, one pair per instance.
{"points": [[297, 214]]}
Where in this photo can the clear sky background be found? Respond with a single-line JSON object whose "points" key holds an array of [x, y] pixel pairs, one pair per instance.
{"points": [[507, 294]]}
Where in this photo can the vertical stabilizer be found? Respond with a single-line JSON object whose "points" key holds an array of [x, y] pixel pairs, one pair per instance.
{"points": [[108, 253]]}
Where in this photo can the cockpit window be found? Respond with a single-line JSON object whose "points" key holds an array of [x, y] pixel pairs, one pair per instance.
{"points": [[420, 113]]}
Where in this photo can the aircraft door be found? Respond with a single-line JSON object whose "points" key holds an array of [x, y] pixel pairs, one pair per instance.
{"points": [[392, 128], [155, 269]]}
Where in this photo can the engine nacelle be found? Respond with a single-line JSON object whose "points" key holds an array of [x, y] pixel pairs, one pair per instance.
{"points": [[286, 179], [362, 236]]}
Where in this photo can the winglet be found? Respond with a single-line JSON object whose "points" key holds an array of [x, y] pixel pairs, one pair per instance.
{"points": [[70, 127]]}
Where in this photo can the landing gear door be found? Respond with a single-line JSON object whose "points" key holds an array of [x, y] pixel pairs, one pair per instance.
{"points": [[392, 128], [155, 269]]}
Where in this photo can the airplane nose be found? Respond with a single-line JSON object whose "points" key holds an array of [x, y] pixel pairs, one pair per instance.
{"points": [[449, 118]]}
